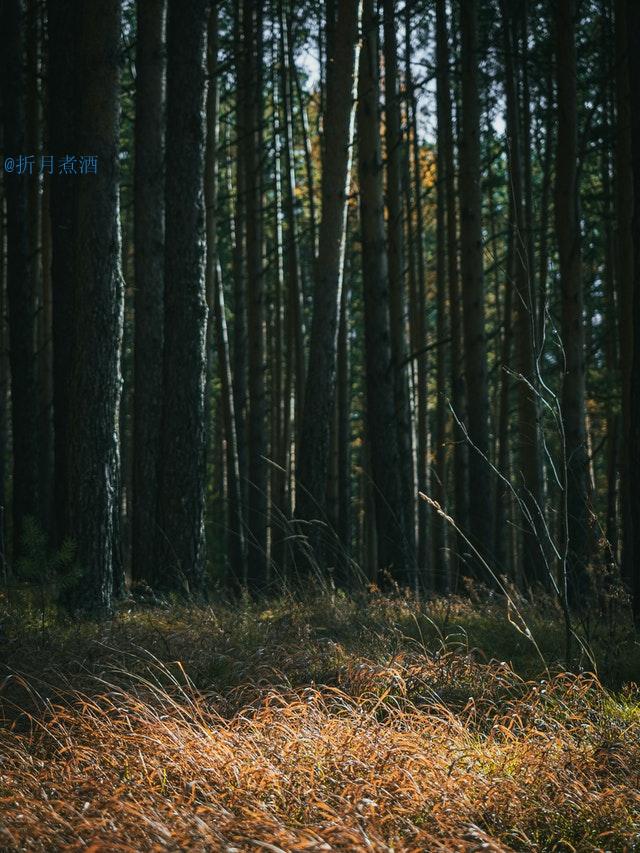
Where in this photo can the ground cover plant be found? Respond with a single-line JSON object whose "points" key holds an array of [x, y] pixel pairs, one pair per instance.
{"points": [[316, 723]]}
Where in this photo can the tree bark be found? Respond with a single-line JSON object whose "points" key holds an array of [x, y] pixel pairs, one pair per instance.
{"points": [[149, 281], [480, 503], [624, 178], [396, 255], [320, 384], [20, 277], [257, 514], [394, 554], [95, 380], [633, 436], [180, 537], [529, 480], [217, 315], [567, 199]]}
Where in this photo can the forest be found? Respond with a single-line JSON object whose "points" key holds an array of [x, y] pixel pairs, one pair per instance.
{"points": [[318, 521]]}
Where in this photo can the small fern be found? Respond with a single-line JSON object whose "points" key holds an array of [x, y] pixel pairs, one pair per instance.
{"points": [[52, 572]]}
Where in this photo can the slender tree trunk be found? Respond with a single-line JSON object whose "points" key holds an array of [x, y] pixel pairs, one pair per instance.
{"points": [[62, 86], [217, 314], [293, 273], [480, 503], [439, 531], [446, 173], [149, 281], [633, 437], [625, 278], [180, 538], [20, 276], [418, 316], [257, 424], [503, 459], [391, 524], [529, 450], [95, 380], [344, 440], [396, 255], [568, 236], [4, 398], [320, 385]]}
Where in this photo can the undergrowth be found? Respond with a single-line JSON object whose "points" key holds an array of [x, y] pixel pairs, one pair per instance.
{"points": [[317, 723]]}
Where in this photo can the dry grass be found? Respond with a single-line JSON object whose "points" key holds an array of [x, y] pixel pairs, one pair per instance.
{"points": [[323, 725]]}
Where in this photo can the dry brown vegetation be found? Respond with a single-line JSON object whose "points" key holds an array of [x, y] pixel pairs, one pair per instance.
{"points": [[346, 724]]}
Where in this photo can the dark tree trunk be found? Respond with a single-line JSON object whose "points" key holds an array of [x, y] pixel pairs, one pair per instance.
{"points": [[394, 555], [567, 203], [257, 515], [396, 255], [633, 437], [312, 469], [625, 279], [94, 381], [62, 90], [149, 281], [4, 398], [20, 277], [446, 172], [239, 353], [217, 316], [418, 317], [180, 535], [528, 431], [480, 503]]}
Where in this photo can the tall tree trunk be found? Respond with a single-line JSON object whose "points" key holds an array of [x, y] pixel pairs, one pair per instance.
{"points": [[396, 255], [633, 436], [20, 276], [418, 314], [239, 354], [528, 432], [149, 281], [568, 236], [446, 173], [62, 90], [439, 531], [625, 278], [295, 325], [4, 398], [257, 426], [480, 503], [391, 524], [95, 380], [217, 314], [344, 440], [180, 537], [320, 384]]}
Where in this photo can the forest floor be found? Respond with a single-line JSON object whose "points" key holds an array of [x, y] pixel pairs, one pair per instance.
{"points": [[318, 723]]}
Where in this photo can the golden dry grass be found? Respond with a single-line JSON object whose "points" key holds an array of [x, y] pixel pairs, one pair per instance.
{"points": [[402, 748]]}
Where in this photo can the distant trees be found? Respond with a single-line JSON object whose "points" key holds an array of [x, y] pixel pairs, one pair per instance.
{"points": [[305, 345]]}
